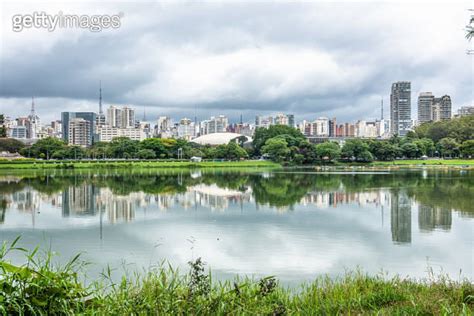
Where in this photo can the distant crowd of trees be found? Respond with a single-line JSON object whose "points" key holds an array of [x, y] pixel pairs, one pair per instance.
{"points": [[451, 138], [124, 148]]}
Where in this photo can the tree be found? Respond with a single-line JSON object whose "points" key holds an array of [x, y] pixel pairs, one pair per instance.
{"points": [[123, 147], [234, 151], [426, 146], [328, 150], [384, 150], [467, 148], [263, 134], [44, 148], [156, 145], [448, 147], [146, 154], [411, 150], [277, 149], [470, 28], [11, 145], [357, 149]]}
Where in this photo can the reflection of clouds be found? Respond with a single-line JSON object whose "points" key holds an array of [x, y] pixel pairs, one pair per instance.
{"points": [[326, 231]]}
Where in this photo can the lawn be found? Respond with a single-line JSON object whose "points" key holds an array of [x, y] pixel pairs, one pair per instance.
{"points": [[38, 164], [443, 162]]}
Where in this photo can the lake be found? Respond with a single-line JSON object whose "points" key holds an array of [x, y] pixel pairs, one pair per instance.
{"points": [[292, 223]]}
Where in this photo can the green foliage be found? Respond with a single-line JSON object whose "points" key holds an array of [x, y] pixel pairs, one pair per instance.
{"points": [[461, 129], [44, 148], [146, 154], [467, 148], [123, 147], [448, 147], [263, 134], [39, 286], [328, 150], [10, 145], [277, 149], [411, 150], [385, 150], [356, 149]]}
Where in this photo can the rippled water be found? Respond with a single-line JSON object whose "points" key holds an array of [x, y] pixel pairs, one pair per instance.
{"points": [[293, 224]]}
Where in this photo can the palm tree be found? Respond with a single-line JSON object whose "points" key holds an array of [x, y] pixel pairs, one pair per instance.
{"points": [[470, 28]]}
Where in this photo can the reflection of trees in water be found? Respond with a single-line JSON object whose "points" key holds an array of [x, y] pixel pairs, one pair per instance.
{"points": [[280, 189], [443, 190]]}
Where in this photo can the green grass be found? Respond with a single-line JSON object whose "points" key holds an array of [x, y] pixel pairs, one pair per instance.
{"points": [[10, 165], [43, 288], [429, 162]]}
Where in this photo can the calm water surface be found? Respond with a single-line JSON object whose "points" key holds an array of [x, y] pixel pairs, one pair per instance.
{"points": [[292, 224]]}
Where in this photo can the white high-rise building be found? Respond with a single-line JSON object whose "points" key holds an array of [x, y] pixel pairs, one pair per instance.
{"points": [[186, 129], [79, 132], [120, 117], [321, 127], [216, 124]]}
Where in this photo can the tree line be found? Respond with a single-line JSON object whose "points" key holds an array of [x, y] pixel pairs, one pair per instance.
{"points": [[451, 138], [124, 148]]}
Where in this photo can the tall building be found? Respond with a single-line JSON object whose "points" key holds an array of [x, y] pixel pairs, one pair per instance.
{"points": [[216, 124], [79, 132], [433, 109], [163, 127], [320, 127], [261, 121], [425, 107], [120, 117], [291, 120], [442, 106], [66, 117], [186, 129], [400, 108], [332, 127]]}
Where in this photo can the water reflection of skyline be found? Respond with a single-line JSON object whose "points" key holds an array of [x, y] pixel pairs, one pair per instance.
{"points": [[84, 199]]}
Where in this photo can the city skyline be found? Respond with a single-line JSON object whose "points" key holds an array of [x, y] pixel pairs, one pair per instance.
{"points": [[299, 62]]}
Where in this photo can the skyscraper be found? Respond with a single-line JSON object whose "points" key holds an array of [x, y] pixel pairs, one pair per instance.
{"points": [[400, 108], [121, 117], [66, 117], [79, 132], [425, 107], [443, 108]]}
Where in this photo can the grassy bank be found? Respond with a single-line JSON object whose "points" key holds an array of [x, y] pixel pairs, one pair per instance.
{"points": [[28, 164], [40, 287], [429, 162]]}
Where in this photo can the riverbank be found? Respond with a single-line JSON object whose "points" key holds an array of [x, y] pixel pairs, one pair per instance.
{"points": [[23, 164], [428, 162], [104, 164], [44, 288]]}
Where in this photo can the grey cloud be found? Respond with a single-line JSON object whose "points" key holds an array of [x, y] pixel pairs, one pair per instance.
{"points": [[190, 59]]}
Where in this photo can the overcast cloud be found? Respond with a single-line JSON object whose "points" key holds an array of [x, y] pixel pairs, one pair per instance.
{"points": [[201, 59]]}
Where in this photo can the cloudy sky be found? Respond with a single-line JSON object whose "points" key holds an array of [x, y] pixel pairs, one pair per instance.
{"points": [[208, 58]]}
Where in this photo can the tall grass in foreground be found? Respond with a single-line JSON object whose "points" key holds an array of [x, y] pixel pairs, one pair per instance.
{"points": [[40, 287]]}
